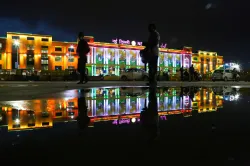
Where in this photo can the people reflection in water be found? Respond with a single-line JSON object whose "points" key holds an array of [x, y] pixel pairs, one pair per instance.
{"points": [[149, 116], [191, 93], [184, 91], [188, 91], [82, 120]]}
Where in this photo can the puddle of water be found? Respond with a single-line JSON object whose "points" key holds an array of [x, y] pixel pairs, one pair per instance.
{"points": [[177, 114], [118, 105]]}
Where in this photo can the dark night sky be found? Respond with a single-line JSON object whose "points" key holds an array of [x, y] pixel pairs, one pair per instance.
{"points": [[212, 25]]}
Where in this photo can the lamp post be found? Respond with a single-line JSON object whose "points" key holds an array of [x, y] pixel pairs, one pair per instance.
{"points": [[17, 44]]}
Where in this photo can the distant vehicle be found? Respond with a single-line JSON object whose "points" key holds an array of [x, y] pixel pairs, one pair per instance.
{"points": [[229, 93], [134, 74], [225, 75], [225, 90]]}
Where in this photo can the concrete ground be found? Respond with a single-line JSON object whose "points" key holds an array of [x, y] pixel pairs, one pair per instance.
{"points": [[22, 90]]}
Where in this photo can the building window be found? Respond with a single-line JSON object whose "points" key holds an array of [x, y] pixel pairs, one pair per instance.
{"points": [[58, 58], [15, 37], [30, 38], [58, 67], [71, 67], [30, 47], [44, 62], [45, 39], [71, 50], [30, 60], [0, 56], [45, 67], [71, 59], [58, 48], [1, 46], [45, 49], [44, 56], [195, 59]]}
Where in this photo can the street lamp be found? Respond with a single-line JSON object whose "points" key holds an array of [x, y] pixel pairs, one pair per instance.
{"points": [[17, 44]]}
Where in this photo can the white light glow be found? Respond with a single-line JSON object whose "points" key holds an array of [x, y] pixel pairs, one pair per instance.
{"points": [[16, 43], [71, 46], [237, 96], [133, 43], [133, 120], [17, 121]]}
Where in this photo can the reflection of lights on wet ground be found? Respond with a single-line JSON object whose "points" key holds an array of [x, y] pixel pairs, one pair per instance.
{"points": [[236, 97], [232, 97]]}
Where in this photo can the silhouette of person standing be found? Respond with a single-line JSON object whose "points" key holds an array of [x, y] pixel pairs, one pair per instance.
{"points": [[153, 48], [191, 73], [82, 120], [182, 71], [149, 115], [82, 51]]}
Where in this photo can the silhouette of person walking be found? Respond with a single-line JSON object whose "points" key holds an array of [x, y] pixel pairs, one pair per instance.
{"points": [[153, 48], [149, 116], [82, 120], [82, 51]]}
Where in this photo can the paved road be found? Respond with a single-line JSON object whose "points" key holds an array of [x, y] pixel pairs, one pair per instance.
{"points": [[31, 90]]}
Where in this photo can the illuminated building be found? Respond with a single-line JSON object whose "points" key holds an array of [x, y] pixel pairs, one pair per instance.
{"points": [[206, 101], [205, 62], [2, 53], [40, 52], [109, 104], [23, 119]]}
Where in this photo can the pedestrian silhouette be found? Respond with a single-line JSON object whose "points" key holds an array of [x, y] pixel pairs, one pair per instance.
{"points": [[149, 116], [152, 46], [191, 73], [82, 120], [182, 73], [82, 51]]}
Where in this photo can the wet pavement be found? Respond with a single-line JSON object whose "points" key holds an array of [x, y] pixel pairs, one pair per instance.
{"points": [[16, 90], [171, 125]]}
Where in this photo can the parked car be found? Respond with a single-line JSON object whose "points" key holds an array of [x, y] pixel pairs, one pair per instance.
{"points": [[217, 75], [134, 74], [225, 75], [111, 77]]}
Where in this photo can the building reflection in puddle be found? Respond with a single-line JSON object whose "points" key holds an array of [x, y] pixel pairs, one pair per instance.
{"points": [[118, 105]]}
